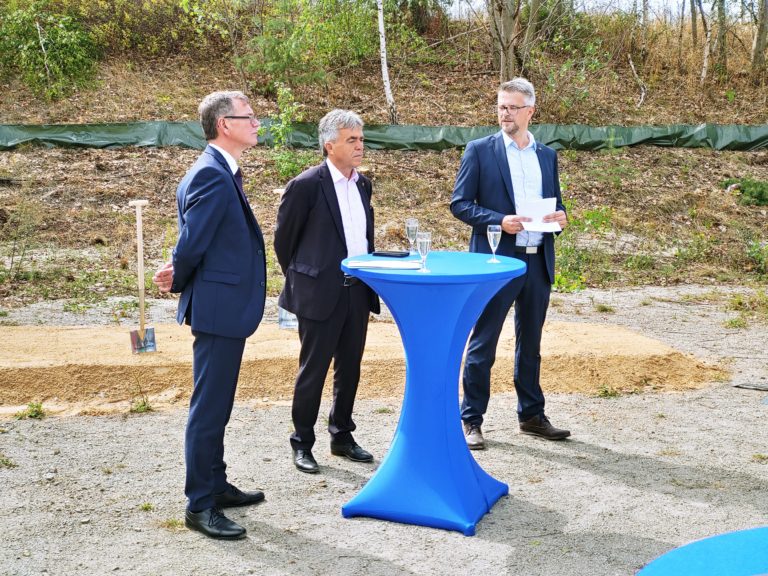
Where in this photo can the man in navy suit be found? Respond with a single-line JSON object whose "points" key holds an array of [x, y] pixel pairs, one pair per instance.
{"points": [[325, 215], [219, 267], [497, 173]]}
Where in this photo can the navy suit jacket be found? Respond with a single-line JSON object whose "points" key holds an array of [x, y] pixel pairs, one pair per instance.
{"points": [[218, 263], [310, 243], [483, 194]]}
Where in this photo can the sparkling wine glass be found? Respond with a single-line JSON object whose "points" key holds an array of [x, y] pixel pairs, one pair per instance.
{"points": [[423, 244], [411, 229], [494, 237]]}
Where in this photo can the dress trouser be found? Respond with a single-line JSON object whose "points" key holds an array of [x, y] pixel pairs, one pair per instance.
{"points": [[342, 338], [530, 295], [216, 366]]}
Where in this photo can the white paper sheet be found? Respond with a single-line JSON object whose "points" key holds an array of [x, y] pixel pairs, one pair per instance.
{"points": [[536, 210], [389, 263]]}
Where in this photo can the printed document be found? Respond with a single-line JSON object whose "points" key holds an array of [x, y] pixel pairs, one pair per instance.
{"points": [[536, 210]]}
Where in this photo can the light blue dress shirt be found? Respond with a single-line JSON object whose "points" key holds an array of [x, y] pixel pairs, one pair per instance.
{"points": [[526, 181]]}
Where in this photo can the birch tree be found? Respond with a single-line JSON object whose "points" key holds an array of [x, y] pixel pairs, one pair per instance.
{"points": [[384, 68]]}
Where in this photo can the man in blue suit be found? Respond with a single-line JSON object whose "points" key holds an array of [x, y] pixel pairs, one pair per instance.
{"points": [[497, 173], [219, 267]]}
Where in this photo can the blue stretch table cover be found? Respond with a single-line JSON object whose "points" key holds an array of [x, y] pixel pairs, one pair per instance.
{"points": [[429, 477], [741, 553]]}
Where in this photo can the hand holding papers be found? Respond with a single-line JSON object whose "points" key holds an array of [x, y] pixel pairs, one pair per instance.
{"points": [[390, 263], [536, 210]]}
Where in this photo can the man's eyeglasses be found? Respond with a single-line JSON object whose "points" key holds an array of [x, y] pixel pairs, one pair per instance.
{"points": [[510, 109], [252, 119]]}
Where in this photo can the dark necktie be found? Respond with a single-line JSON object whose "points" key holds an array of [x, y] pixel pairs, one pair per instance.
{"points": [[239, 179]]}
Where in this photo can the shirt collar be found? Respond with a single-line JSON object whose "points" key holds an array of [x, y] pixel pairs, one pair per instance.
{"points": [[509, 142], [231, 162], [336, 174]]}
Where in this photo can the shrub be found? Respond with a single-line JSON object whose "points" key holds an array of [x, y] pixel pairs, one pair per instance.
{"points": [[137, 28], [299, 40], [51, 52]]}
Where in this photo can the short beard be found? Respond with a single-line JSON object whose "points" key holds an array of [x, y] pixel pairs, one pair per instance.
{"points": [[511, 130]]}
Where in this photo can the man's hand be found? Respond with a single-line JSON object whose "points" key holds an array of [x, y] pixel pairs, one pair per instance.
{"points": [[558, 217], [512, 223], [163, 278]]}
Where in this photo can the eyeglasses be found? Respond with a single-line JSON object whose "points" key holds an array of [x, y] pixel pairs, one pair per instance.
{"points": [[252, 119], [510, 109]]}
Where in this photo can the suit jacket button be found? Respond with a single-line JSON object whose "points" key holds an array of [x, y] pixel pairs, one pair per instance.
{"points": [[263, 283], [260, 252]]}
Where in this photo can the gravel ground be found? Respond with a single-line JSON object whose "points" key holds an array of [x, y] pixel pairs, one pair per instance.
{"points": [[642, 474]]}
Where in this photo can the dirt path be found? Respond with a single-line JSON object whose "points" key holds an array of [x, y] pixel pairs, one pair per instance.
{"points": [[643, 473]]}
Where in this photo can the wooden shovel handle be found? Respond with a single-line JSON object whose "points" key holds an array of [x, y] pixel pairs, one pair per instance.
{"points": [[140, 259]]}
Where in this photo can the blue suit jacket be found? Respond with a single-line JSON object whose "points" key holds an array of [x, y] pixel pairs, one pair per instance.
{"points": [[218, 263], [310, 243], [483, 194]]}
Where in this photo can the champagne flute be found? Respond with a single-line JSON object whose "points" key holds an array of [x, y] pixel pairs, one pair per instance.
{"points": [[411, 228], [494, 237], [423, 244]]}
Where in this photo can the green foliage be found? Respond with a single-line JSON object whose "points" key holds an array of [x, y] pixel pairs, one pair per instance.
{"points": [[51, 52], [288, 162], [140, 403], [751, 192], [147, 28], [736, 323], [757, 253], [7, 462], [19, 232], [300, 41], [751, 306], [34, 410], [606, 391]]}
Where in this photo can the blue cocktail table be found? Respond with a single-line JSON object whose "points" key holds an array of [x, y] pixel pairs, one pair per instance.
{"points": [[429, 477], [740, 553]]}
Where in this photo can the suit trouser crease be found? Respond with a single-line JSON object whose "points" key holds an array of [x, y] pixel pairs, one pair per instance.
{"points": [[530, 294], [340, 338], [216, 366]]}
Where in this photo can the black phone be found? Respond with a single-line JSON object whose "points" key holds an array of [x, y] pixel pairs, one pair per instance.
{"points": [[392, 253]]}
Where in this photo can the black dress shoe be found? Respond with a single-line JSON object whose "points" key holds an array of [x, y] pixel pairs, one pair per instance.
{"points": [[234, 497], [305, 462], [214, 524], [540, 426], [351, 451]]}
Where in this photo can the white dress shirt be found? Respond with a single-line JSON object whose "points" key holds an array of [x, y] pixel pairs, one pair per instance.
{"points": [[526, 181], [352, 212], [231, 162]]}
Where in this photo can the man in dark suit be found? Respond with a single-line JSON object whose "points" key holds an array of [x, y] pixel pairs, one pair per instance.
{"points": [[219, 267], [497, 173], [325, 215]]}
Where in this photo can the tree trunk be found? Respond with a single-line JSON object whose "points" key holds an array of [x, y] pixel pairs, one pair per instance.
{"points": [[507, 22], [680, 67], [707, 41], [530, 30], [644, 32], [722, 53], [384, 67], [694, 25], [759, 45]]}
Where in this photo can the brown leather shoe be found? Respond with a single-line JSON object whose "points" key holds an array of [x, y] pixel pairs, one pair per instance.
{"points": [[540, 426], [473, 434]]}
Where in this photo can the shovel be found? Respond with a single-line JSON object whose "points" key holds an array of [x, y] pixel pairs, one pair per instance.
{"points": [[143, 339]]}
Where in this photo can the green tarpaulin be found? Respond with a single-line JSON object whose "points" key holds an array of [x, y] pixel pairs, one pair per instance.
{"points": [[386, 137]]}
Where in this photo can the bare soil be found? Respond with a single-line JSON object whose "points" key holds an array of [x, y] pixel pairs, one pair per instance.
{"points": [[91, 369]]}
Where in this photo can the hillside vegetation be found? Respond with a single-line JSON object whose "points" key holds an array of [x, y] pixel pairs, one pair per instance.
{"points": [[638, 215]]}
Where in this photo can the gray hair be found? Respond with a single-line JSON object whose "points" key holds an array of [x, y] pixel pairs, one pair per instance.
{"points": [[216, 105], [522, 86], [331, 123]]}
